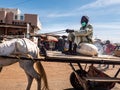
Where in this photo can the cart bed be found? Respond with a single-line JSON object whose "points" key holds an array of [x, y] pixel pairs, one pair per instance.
{"points": [[55, 56]]}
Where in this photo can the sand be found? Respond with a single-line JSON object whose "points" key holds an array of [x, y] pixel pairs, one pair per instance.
{"points": [[13, 77]]}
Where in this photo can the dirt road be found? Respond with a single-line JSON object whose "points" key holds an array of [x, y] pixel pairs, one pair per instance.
{"points": [[13, 77]]}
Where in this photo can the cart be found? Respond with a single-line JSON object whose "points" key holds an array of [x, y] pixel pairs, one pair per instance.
{"points": [[82, 78], [91, 78]]}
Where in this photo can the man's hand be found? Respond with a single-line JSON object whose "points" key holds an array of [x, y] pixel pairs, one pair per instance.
{"points": [[69, 30]]}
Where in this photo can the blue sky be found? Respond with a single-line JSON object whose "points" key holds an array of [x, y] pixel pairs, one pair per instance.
{"points": [[58, 15]]}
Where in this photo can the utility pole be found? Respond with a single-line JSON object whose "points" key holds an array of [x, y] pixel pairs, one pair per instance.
{"points": [[28, 30]]}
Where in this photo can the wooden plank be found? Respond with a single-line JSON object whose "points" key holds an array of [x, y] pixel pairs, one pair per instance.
{"points": [[14, 26], [53, 56], [102, 79], [103, 59], [23, 58]]}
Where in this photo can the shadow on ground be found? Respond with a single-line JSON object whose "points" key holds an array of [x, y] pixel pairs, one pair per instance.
{"points": [[69, 89]]}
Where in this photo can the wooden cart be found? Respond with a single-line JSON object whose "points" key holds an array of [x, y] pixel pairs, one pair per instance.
{"points": [[82, 79], [92, 78]]}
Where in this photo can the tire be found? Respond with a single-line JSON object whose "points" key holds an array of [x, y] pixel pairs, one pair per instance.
{"points": [[74, 82]]}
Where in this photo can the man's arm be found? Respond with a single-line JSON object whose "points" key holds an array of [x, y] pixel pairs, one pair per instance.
{"points": [[86, 32]]}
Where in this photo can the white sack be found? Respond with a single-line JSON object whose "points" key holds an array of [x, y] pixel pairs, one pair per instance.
{"points": [[87, 49]]}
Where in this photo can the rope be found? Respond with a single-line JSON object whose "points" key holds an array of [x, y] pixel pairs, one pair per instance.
{"points": [[56, 32]]}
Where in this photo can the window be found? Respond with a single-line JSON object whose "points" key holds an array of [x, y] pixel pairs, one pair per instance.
{"points": [[21, 17], [16, 17]]}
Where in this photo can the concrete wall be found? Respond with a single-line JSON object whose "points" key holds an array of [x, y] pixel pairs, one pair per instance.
{"points": [[31, 18], [9, 18], [2, 16]]}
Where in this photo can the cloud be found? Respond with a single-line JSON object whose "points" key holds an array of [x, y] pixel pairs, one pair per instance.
{"points": [[100, 3], [108, 25], [107, 31], [60, 14], [59, 26], [100, 27], [87, 8]]}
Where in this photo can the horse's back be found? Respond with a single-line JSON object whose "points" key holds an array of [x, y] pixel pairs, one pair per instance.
{"points": [[27, 46], [21, 45], [7, 47]]}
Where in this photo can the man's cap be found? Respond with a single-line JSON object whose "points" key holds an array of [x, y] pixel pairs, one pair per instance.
{"points": [[85, 19]]}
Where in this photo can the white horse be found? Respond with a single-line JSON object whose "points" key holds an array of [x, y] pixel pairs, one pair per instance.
{"points": [[28, 48]]}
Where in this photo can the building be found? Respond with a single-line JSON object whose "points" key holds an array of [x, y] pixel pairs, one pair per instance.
{"points": [[14, 23]]}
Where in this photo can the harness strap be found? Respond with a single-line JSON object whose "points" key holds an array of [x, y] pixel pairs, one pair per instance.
{"points": [[25, 44]]}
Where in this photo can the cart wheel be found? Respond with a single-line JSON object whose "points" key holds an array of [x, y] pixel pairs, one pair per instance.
{"points": [[74, 82]]}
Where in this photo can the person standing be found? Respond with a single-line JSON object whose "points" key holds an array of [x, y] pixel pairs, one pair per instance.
{"points": [[109, 48], [71, 38]]}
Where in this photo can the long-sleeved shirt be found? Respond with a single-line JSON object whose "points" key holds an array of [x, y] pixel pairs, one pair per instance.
{"points": [[84, 34]]}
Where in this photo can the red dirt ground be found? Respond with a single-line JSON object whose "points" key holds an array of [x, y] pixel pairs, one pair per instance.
{"points": [[13, 77]]}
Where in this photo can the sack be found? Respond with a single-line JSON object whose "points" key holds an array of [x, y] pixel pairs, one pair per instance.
{"points": [[87, 49]]}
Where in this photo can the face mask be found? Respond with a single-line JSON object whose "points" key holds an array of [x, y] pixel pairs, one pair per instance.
{"points": [[84, 24]]}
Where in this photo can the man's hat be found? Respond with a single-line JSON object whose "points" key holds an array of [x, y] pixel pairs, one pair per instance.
{"points": [[84, 19]]}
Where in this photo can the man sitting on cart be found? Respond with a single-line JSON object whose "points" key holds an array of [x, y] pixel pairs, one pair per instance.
{"points": [[85, 34]]}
